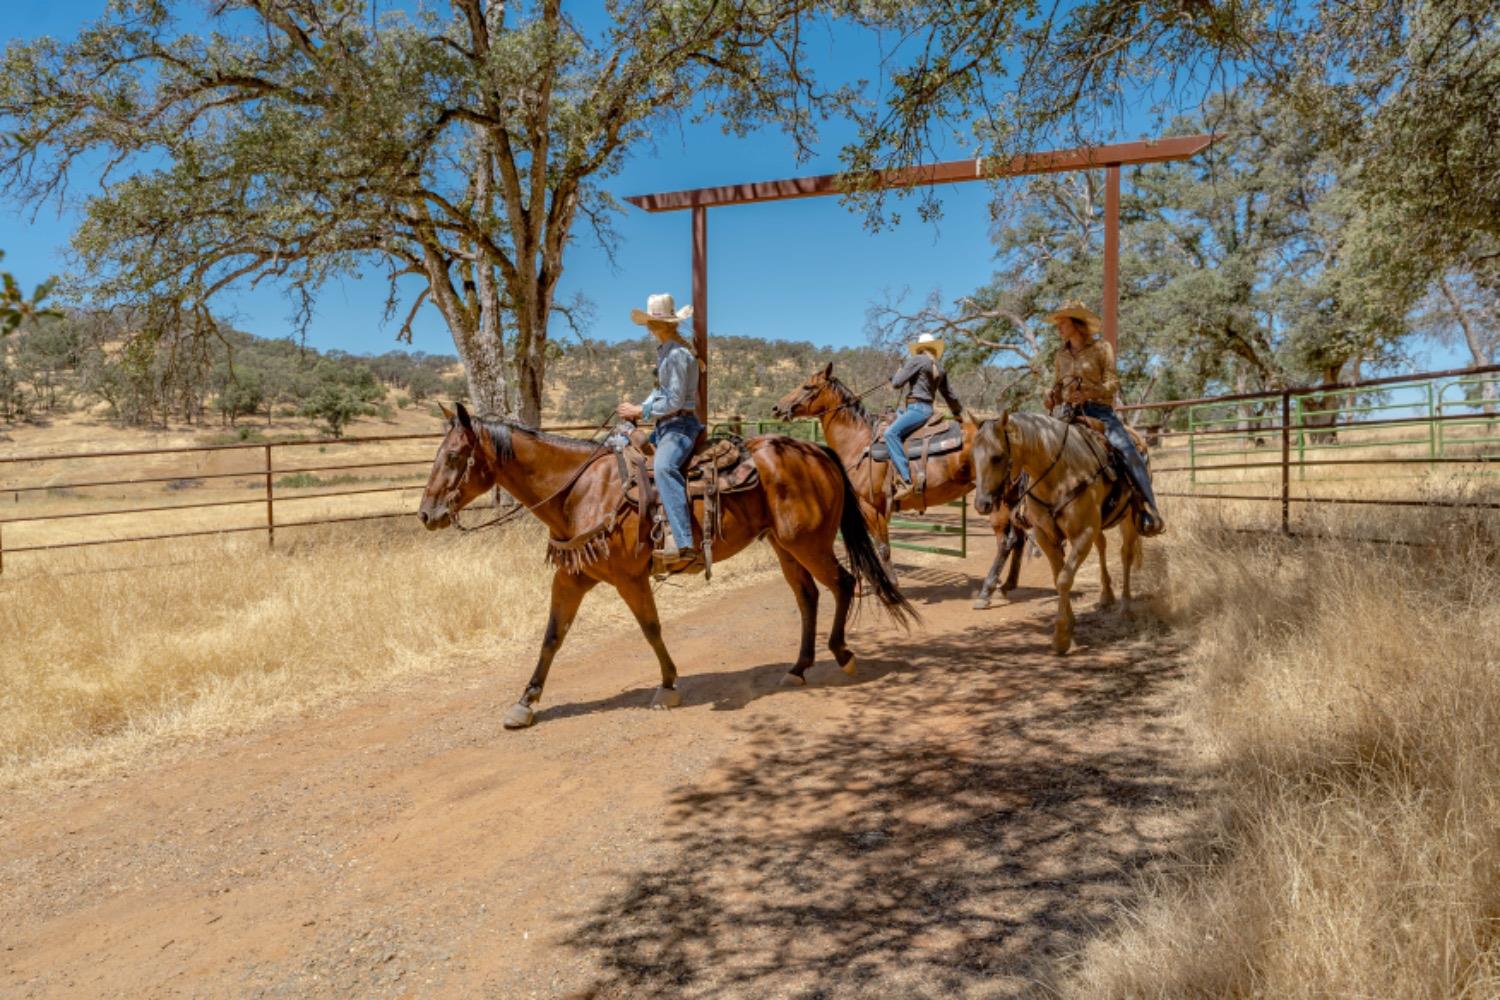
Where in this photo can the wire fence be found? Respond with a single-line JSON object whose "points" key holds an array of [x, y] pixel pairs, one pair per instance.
{"points": [[1352, 444]]}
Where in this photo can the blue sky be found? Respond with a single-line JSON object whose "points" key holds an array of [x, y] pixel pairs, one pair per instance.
{"points": [[802, 270]]}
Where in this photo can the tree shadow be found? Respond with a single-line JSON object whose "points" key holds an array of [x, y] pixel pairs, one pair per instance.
{"points": [[982, 810]]}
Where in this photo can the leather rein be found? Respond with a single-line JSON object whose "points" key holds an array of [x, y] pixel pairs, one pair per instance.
{"points": [[505, 517]]}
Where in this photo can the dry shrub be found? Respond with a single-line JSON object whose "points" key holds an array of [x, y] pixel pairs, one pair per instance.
{"points": [[218, 637], [1347, 699]]}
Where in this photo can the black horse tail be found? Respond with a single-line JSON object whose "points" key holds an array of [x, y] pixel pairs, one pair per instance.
{"points": [[863, 558]]}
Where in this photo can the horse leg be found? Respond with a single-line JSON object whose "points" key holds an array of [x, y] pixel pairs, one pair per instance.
{"points": [[1017, 550], [824, 567], [568, 590], [1106, 585], [1130, 546], [806, 592], [1005, 545], [1078, 551], [636, 592]]}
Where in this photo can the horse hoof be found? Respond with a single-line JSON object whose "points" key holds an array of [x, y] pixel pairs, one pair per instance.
{"points": [[792, 680], [1061, 644], [520, 716], [851, 667], [1105, 603], [981, 603], [666, 698]]}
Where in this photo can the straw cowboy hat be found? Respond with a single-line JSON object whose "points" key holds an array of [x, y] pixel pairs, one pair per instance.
{"points": [[1077, 310], [660, 309], [928, 343]]}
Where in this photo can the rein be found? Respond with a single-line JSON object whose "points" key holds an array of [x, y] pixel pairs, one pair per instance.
{"points": [[505, 517]]}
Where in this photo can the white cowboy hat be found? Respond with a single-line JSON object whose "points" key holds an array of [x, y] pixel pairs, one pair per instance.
{"points": [[1077, 310], [928, 343], [660, 309]]}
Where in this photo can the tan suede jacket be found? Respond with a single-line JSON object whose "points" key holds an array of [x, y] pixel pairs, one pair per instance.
{"points": [[1088, 376]]}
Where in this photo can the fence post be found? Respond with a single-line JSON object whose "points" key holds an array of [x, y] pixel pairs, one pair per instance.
{"points": [[270, 510], [1432, 427], [1192, 448], [1301, 442], [2, 548], [1286, 454]]}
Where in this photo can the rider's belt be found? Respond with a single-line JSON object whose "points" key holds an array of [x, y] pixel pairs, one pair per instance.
{"points": [[675, 414], [916, 399]]}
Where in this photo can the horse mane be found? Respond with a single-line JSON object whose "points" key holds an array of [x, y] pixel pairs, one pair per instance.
{"points": [[1046, 433], [849, 400], [500, 430]]}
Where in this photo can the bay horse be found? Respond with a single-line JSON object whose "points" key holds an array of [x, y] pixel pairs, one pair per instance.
{"points": [[803, 501], [849, 430], [1070, 500]]}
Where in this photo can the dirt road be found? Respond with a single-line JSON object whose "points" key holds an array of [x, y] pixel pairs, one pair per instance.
{"points": [[945, 825]]}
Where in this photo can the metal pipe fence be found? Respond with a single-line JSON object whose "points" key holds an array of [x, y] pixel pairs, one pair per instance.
{"points": [[1411, 424]]}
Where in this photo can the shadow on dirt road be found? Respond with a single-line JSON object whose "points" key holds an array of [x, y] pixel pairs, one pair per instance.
{"points": [[985, 808]]}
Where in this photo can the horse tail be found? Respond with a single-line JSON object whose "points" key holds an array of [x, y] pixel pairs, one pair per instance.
{"points": [[863, 558]]}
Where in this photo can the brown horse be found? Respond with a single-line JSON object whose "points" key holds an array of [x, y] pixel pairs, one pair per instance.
{"points": [[1070, 499], [802, 503], [849, 431]]}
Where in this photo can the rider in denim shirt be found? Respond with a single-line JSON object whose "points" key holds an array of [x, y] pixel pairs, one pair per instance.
{"points": [[673, 404]]}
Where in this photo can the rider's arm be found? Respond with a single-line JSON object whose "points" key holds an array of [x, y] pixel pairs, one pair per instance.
{"points": [[908, 371], [948, 395], [671, 395]]}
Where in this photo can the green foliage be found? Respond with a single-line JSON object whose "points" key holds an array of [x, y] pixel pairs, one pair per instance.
{"points": [[15, 307]]}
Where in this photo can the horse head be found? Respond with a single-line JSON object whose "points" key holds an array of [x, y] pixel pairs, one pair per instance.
{"points": [[817, 395], [992, 462], [463, 470]]}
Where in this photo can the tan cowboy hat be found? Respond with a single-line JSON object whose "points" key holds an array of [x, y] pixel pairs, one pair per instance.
{"points": [[1077, 310], [928, 343], [660, 309]]}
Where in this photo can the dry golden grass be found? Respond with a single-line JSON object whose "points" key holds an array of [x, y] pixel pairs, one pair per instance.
{"points": [[1347, 699], [205, 638]]}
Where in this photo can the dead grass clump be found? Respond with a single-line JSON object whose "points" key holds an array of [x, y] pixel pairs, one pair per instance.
{"points": [[1348, 697], [218, 637]]}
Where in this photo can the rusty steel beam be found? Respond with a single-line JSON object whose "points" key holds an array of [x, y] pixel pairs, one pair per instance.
{"points": [[950, 172]]}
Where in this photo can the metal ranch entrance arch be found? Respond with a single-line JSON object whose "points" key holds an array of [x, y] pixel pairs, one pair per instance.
{"points": [[1112, 158]]}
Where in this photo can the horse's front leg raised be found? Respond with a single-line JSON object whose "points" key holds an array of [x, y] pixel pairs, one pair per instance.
{"points": [[637, 595], [568, 590]]}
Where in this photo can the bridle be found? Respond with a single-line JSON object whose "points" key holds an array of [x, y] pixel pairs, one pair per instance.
{"points": [[450, 500], [854, 401]]}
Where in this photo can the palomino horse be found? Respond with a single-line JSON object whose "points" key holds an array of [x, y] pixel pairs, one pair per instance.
{"points": [[849, 431], [802, 503], [1071, 499]]}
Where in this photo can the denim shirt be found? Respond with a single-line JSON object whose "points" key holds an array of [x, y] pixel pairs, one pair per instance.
{"points": [[676, 382]]}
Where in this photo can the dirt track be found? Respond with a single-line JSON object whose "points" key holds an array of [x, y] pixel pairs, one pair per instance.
{"points": [[945, 825]]}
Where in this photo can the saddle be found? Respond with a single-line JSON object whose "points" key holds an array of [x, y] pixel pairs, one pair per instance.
{"points": [[719, 466], [936, 437]]}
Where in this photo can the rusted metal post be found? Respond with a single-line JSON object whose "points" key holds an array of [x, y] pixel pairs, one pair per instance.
{"points": [[270, 510], [700, 305], [1286, 454], [1112, 255], [2, 548]]}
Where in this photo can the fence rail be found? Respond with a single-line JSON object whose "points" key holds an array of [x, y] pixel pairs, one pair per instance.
{"points": [[1315, 427], [1426, 421]]}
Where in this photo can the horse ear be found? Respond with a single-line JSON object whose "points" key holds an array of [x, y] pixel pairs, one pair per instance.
{"points": [[828, 370], [463, 418], [1003, 419], [447, 413]]}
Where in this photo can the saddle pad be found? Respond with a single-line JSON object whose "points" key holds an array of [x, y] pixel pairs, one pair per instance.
{"points": [[945, 441]]}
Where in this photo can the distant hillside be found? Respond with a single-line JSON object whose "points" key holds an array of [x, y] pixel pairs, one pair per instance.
{"points": [[77, 364], [747, 375]]}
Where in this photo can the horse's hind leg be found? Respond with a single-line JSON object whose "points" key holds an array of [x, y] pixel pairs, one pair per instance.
{"points": [[806, 592], [1130, 547], [568, 590], [637, 595], [1106, 585], [824, 567]]}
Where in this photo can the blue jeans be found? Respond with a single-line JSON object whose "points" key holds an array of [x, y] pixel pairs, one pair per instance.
{"points": [[1125, 445], [906, 422], [674, 440]]}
